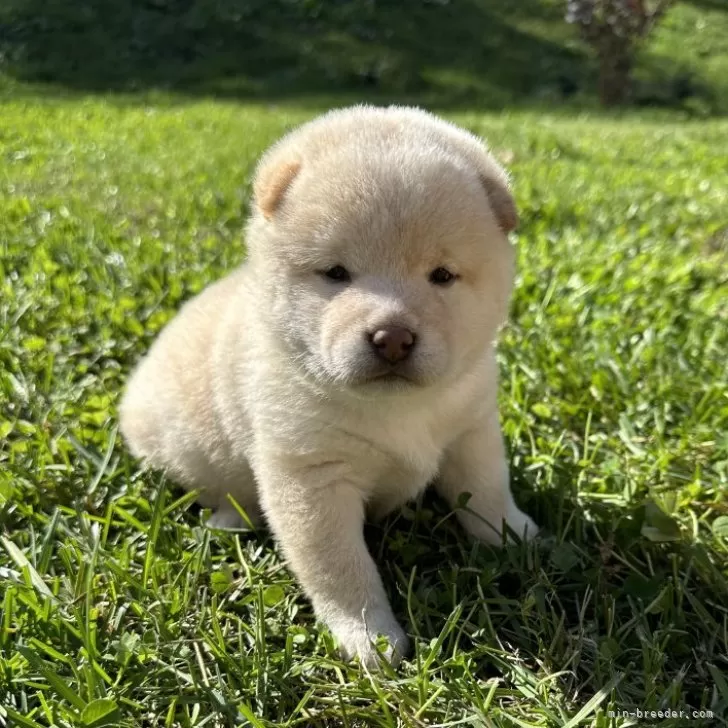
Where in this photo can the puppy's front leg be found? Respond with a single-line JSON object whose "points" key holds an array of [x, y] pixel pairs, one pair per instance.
{"points": [[476, 464], [318, 519]]}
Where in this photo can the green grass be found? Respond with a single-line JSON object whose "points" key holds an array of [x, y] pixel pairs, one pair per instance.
{"points": [[615, 405], [118, 608]]}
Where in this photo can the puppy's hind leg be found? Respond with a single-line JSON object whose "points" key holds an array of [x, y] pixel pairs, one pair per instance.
{"points": [[168, 422], [240, 494]]}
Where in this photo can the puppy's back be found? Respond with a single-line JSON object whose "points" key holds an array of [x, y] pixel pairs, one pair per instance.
{"points": [[167, 415]]}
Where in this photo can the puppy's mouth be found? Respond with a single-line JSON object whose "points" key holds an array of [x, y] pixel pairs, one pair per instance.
{"points": [[380, 377], [389, 377]]}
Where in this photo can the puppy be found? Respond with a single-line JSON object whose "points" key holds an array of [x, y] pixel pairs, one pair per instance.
{"points": [[350, 361]]}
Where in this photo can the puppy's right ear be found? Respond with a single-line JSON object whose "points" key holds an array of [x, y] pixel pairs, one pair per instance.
{"points": [[501, 200], [492, 176], [271, 184]]}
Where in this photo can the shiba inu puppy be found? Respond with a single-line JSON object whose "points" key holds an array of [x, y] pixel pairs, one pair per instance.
{"points": [[350, 361]]}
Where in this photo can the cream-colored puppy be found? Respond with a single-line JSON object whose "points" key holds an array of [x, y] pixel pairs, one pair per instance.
{"points": [[350, 361]]}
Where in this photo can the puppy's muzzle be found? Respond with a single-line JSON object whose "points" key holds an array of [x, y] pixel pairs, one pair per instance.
{"points": [[393, 344]]}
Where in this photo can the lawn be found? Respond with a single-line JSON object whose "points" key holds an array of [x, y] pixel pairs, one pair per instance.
{"points": [[117, 607]]}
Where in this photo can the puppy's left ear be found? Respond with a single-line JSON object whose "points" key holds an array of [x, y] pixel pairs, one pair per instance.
{"points": [[272, 181], [492, 176], [500, 197]]}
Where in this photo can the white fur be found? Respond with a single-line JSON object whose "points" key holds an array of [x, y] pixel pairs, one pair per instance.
{"points": [[262, 386]]}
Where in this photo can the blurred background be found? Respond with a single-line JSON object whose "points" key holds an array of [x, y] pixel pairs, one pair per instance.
{"points": [[474, 53]]}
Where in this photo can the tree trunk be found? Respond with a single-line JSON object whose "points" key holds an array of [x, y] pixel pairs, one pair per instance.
{"points": [[615, 69]]}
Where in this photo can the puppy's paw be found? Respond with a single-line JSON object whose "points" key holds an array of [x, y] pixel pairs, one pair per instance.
{"points": [[491, 532], [359, 639], [228, 519], [521, 524]]}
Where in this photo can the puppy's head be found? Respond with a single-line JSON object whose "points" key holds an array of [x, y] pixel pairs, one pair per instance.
{"points": [[378, 243]]}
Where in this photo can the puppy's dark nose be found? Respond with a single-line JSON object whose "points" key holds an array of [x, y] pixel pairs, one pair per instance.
{"points": [[393, 343]]}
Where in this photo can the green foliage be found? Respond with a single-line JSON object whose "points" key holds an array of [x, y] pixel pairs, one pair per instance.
{"points": [[459, 53]]}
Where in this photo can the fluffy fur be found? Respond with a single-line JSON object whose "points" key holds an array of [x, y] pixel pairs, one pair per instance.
{"points": [[266, 386]]}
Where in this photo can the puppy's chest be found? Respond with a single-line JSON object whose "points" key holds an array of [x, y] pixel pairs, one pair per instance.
{"points": [[401, 455]]}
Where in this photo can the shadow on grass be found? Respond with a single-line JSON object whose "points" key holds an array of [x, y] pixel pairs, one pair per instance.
{"points": [[711, 4], [466, 53], [591, 600]]}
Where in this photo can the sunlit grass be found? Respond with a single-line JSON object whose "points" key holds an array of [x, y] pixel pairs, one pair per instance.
{"points": [[118, 608]]}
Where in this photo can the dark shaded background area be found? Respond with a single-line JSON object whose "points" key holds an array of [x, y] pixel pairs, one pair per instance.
{"points": [[449, 53], [457, 51]]}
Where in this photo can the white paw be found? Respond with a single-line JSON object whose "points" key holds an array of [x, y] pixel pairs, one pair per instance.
{"points": [[521, 523], [228, 519], [359, 638], [491, 532]]}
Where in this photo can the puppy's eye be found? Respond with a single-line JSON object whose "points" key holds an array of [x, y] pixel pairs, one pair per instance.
{"points": [[338, 274], [442, 277]]}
